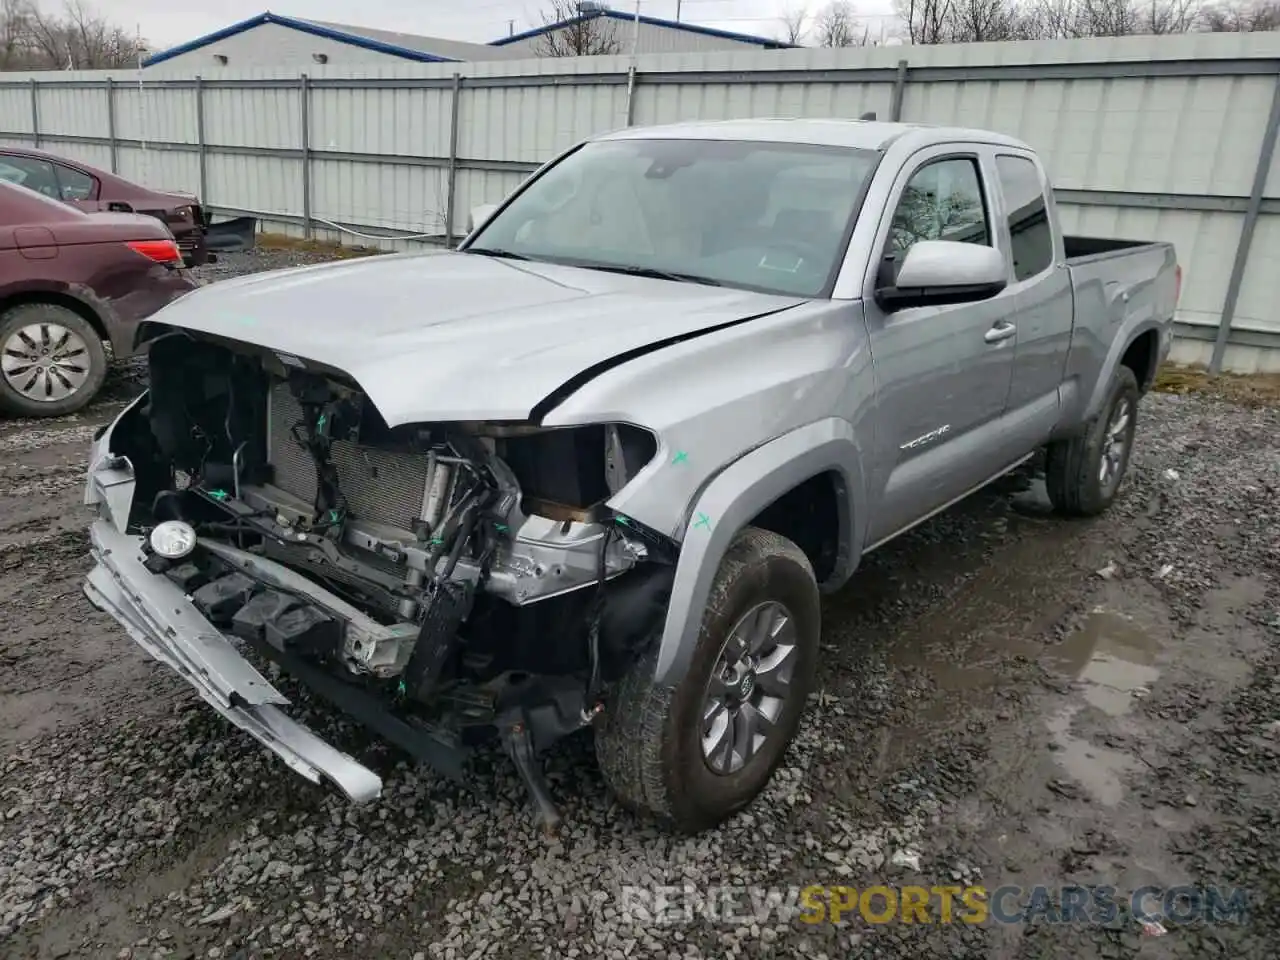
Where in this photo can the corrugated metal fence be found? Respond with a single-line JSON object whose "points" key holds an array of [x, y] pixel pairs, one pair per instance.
{"points": [[1164, 138]]}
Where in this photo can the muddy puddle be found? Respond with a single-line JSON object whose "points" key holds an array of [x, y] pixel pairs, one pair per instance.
{"points": [[1113, 659]]}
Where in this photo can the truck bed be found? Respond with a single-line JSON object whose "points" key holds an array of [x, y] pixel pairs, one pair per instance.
{"points": [[1084, 248]]}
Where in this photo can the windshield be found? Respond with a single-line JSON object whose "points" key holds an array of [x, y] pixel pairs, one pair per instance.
{"points": [[764, 216]]}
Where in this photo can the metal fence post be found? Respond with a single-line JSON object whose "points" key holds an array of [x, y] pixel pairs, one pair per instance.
{"points": [[111, 125], [631, 95], [305, 94], [1265, 156], [899, 92], [452, 198], [202, 157], [35, 113]]}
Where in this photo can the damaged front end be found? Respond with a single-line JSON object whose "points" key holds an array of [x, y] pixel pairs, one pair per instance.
{"points": [[438, 582]]}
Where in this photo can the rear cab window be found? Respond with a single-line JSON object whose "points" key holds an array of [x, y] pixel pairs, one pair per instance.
{"points": [[1030, 237]]}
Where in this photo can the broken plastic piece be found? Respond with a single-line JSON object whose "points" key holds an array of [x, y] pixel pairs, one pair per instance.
{"points": [[220, 599], [304, 629], [250, 621], [187, 576]]}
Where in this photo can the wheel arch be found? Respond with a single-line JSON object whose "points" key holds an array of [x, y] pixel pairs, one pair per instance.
{"points": [[10, 298], [1126, 349], [824, 452]]}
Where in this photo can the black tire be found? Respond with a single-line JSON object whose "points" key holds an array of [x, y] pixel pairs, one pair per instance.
{"points": [[1073, 466], [94, 355], [649, 741]]}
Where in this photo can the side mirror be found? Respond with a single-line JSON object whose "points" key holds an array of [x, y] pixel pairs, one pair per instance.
{"points": [[479, 215], [940, 272]]}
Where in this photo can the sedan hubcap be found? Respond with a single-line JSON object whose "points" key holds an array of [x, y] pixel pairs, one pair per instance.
{"points": [[45, 362], [1114, 444], [749, 687]]}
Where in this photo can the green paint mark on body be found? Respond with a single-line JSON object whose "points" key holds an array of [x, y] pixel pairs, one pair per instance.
{"points": [[218, 494], [702, 521], [680, 457]]}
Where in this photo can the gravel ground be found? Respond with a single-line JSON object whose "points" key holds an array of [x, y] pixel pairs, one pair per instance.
{"points": [[1006, 698]]}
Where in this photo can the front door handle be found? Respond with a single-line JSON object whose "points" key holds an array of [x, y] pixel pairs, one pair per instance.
{"points": [[1001, 331]]}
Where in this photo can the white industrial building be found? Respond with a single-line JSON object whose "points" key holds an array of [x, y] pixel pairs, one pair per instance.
{"points": [[600, 29], [274, 40]]}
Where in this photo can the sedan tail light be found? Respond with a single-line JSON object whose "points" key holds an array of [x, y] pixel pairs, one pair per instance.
{"points": [[161, 251]]}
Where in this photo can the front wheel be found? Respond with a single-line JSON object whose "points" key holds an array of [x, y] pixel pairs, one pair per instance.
{"points": [[52, 361], [696, 753], [1083, 473]]}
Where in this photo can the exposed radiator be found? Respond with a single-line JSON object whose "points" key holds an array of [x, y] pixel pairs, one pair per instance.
{"points": [[380, 486]]}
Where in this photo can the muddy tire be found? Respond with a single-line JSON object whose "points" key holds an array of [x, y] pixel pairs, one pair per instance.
{"points": [[52, 361], [694, 754], [1083, 474]]}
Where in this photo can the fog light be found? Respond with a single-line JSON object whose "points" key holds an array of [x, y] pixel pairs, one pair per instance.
{"points": [[173, 539]]}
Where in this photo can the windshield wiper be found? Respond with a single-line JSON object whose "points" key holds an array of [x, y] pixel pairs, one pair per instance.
{"points": [[496, 252], [651, 272]]}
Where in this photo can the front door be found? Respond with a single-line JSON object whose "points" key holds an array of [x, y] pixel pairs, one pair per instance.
{"points": [[942, 373]]}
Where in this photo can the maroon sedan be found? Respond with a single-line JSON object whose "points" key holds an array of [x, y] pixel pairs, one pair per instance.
{"points": [[90, 189], [70, 283]]}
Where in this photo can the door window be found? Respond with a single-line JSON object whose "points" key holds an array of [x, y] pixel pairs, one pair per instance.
{"points": [[32, 173], [1030, 238], [74, 184], [943, 200]]}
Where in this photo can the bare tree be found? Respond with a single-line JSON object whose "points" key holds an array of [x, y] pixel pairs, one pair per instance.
{"points": [[835, 26], [15, 48], [795, 24], [926, 21], [1123, 18], [585, 32], [977, 21], [1240, 17], [968, 21], [78, 39]]}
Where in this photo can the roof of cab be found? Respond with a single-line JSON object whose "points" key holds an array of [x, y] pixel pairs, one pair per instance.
{"points": [[835, 132]]}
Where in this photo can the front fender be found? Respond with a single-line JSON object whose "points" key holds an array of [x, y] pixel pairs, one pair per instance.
{"points": [[732, 499]]}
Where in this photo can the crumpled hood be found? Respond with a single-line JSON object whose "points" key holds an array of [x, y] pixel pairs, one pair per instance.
{"points": [[453, 336]]}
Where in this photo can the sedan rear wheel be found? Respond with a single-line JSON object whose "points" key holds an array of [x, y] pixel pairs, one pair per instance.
{"points": [[52, 361]]}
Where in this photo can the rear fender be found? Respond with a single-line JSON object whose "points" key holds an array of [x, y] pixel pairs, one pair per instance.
{"points": [[730, 501], [1130, 330]]}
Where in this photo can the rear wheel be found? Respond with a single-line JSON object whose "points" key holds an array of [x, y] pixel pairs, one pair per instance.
{"points": [[695, 753], [52, 361], [1083, 473]]}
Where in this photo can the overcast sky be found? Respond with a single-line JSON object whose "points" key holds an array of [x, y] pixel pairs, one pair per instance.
{"points": [[165, 23]]}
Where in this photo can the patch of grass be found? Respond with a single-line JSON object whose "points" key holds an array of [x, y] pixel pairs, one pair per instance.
{"points": [[281, 241], [1249, 390]]}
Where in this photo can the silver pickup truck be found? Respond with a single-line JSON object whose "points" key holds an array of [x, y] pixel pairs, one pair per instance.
{"points": [[595, 467]]}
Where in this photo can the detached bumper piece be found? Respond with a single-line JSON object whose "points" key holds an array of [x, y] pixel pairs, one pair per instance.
{"points": [[156, 613]]}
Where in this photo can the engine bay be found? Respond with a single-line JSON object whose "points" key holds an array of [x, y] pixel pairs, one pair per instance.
{"points": [[462, 574]]}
